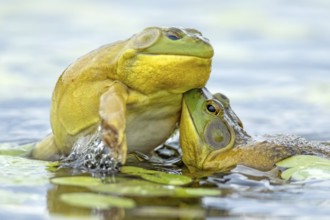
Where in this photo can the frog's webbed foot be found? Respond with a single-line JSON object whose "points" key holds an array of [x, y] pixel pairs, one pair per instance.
{"points": [[45, 150], [113, 120]]}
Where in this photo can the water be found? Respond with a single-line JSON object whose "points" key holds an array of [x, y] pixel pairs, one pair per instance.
{"points": [[271, 60]]}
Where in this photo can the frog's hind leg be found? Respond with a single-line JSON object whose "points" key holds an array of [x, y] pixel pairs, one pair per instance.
{"points": [[46, 150]]}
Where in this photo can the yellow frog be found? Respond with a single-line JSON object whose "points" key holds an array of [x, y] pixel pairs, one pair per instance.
{"points": [[132, 89]]}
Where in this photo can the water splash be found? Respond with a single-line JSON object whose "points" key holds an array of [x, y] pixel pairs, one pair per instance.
{"points": [[91, 154]]}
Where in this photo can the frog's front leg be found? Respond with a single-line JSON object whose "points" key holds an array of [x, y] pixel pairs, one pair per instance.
{"points": [[113, 119]]}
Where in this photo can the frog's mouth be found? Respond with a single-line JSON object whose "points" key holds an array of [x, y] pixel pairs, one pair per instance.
{"points": [[173, 54]]}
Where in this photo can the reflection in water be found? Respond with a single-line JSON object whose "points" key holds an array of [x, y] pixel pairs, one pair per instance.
{"points": [[163, 207], [244, 191]]}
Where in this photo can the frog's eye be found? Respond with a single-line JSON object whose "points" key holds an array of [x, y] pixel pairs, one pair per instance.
{"points": [[212, 107], [174, 33], [173, 36]]}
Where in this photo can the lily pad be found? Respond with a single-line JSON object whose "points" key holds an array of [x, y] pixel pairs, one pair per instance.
{"points": [[53, 166], [197, 192], [305, 167], [148, 189], [91, 200], [300, 160], [10, 149], [316, 171], [157, 176], [88, 181], [21, 171], [135, 188], [137, 170], [155, 212], [84, 181]]}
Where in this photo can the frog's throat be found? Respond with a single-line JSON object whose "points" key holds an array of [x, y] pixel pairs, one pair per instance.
{"points": [[149, 73], [191, 143]]}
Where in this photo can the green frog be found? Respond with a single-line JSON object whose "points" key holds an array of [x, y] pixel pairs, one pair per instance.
{"points": [[212, 137], [131, 90]]}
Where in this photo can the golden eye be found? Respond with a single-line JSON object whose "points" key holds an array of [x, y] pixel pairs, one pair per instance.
{"points": [[212, 107]]}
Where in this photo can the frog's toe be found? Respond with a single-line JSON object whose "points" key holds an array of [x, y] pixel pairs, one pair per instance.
{"points": [[116, 142], [45, 150]]}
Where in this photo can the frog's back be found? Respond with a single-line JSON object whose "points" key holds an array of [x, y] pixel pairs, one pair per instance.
{"points": [[75, 101], [264, 154]]}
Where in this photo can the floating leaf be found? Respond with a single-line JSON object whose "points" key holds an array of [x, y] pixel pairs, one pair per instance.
{"points": [[53, 166], [305, 167], [197, 192], [135, 188], [10, 149], [155, 212], [84, 181], [316, 171], [91, 200], [300, 160], [136, 170], [168, 179], [21, 171], [157, 176], [148, 189]]}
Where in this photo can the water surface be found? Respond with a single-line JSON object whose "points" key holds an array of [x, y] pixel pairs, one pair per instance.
{"points": [[271, 60]]}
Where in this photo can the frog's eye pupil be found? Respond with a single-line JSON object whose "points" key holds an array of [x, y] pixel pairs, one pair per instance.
{"points": [[211, 108], [173, 37]]}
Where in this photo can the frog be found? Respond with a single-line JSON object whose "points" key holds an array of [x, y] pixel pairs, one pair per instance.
{"points": [[131, 90], [212, 138]]}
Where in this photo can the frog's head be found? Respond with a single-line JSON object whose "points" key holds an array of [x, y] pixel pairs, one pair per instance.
{"points": [[208, 127], [171, 59], [173, 41]]}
